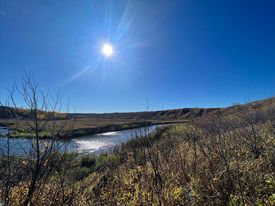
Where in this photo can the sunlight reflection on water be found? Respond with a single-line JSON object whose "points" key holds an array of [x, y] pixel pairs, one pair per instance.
{"points": [[93, 144], [105, 141], [107, 134]]}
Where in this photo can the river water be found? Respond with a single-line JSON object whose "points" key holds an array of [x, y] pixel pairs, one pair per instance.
{"points": [[93, 144]]}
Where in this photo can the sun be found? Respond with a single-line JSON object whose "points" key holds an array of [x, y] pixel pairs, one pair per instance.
{"points": [[107, 50]]}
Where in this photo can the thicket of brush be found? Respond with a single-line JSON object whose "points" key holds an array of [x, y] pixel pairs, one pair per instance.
{"points": [[216, 161]]}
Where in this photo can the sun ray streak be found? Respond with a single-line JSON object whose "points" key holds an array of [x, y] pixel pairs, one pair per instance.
{"points": [[124, 24], [78, 74]]}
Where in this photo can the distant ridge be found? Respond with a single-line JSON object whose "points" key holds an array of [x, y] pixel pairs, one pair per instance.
{"points": [[165, 115], [182, 114], [179, 114]]}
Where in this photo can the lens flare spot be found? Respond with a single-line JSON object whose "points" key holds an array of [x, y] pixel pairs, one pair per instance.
{"points": [[107, 50]]}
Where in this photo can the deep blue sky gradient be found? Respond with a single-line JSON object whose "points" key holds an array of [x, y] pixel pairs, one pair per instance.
{"points": [[181, 53]]}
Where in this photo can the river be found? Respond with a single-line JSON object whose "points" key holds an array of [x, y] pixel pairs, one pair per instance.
{"points": [[93, 144]]}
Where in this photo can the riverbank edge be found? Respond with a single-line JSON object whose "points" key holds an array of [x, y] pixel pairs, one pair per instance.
{"points": [[77, 133]]}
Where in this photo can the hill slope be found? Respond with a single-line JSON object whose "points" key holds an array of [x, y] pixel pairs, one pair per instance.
{"points": [[93, 120], [181, 114]]}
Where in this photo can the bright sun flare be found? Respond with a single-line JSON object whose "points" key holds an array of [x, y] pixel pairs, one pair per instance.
{"points": [[107, 50]]}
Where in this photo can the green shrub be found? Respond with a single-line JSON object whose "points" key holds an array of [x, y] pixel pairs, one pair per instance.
{"points": [[88, 161], [82, 172], [105, 161]]}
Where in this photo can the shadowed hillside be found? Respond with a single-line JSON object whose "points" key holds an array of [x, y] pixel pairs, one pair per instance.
{"points": [[175, 114]]}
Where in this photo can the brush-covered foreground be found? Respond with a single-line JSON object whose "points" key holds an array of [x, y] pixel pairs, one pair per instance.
{"points": [[217, 160]]}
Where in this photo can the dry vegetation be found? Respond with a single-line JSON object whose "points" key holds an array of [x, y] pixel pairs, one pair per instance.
{"points": [[222, 159]]}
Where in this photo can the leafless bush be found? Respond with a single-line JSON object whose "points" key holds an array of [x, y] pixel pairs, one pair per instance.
{"points": [[39, 120]]}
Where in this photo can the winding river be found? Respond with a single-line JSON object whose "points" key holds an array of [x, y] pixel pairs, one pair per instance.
{"points": [[93, 144]]}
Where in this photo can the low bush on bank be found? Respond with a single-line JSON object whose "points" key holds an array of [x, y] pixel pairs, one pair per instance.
{"points": [[100, 162]]}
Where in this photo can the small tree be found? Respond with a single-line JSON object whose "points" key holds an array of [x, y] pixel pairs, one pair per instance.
{"points": [[40, 118]]}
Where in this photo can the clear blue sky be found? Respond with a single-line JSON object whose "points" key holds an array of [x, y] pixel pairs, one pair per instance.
{"points": [[181, 53]]}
